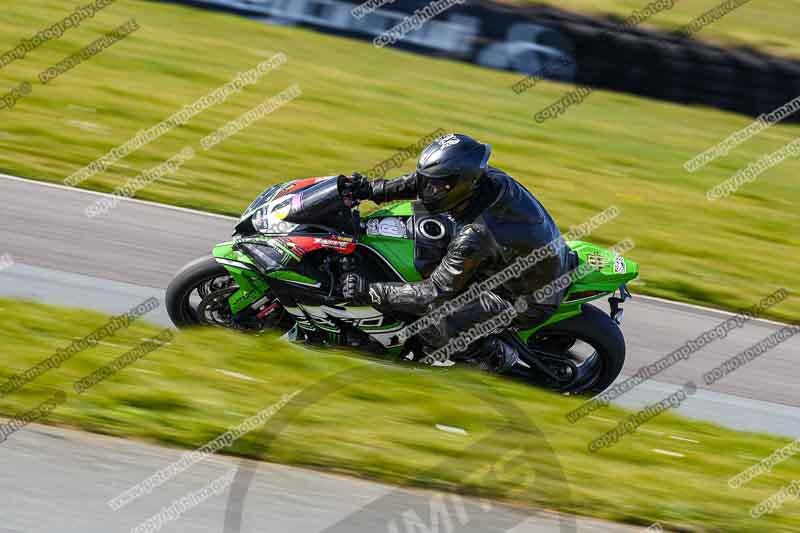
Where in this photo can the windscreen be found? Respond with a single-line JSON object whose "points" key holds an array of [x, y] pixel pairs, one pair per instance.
{"points": [[262, 198]]}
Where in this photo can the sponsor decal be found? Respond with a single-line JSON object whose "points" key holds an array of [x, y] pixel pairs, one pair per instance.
{"points": [[619, 265], [448, 140], [260, 218], [597, 261], [387, 227], [280, 211], [373, 226], [392, 227], [374, 296], [328, 243]]}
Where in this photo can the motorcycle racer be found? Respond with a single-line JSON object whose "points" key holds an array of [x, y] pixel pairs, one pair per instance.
{"points": [[497, 221]]}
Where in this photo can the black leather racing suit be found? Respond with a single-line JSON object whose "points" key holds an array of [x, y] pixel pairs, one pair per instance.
{"points": [[503, 222]]}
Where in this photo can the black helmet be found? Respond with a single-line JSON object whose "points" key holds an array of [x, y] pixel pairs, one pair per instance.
{"points": [[449, 169]]}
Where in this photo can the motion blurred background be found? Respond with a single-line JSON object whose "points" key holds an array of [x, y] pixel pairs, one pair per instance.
{"points": [[662, 101], [662, 97]]}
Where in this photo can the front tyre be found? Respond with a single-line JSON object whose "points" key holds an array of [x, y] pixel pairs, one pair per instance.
{"points": [[191, 286], [592, 347]]}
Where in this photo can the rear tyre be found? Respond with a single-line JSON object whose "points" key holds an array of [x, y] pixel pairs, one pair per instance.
{"points": [[594, 329]]}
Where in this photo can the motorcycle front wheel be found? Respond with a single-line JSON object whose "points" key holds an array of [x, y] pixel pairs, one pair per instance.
{"points": [[198, 295]]}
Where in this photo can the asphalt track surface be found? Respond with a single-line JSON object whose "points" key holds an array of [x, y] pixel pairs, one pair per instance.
{"points": [[59, 481], [112, 262]]}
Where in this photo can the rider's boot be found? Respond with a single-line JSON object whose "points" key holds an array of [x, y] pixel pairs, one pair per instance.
{"points": [[496, 355], [492, 354]]}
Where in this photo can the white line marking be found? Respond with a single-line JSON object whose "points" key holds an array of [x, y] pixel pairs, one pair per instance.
{"points": [[87, 126], [667, 452], [652, 432], [106, 195], [235, 375], [153, 339], [684, 439], [450, 429], [702, 308], [601, 419]]}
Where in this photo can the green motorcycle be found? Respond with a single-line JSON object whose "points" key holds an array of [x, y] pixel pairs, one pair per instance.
{"points": [[297, 238]]}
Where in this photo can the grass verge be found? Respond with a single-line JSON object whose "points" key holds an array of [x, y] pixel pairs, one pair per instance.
{"points": [[384, 427], [360, 104]]}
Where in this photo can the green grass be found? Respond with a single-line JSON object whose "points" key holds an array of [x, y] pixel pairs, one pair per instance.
{"points": [[381, 423], [361, 104], [763, 24]]}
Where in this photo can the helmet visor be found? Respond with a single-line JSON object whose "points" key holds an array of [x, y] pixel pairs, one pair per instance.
{"points": [[435, 191]]}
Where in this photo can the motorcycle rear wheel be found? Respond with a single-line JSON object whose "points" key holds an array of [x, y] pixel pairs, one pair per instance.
{"points": [[592, 347]]}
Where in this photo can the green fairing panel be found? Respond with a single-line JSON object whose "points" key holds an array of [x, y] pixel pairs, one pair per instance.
{"points": [[403, 209], [252, 285], [225, 251], [606, 278], [289, 275], [564, 312], [399, 252]]}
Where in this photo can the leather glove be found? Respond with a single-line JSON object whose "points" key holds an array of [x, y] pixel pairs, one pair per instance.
{"points": [[354, 188], [354, 288]]}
